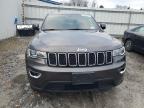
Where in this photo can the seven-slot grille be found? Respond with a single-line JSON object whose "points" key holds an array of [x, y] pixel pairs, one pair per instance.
{"points": [[80, 59]]}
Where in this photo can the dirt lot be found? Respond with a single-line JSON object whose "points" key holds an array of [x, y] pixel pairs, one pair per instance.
{"points": [[15, 91]]}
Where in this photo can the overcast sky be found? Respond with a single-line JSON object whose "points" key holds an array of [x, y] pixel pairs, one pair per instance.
{"points": [[136, 4]]}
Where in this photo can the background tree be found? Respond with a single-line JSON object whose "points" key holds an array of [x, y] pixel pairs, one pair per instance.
{"points": [[94, 3], [101, 6], [122, 7], [80, 3]]}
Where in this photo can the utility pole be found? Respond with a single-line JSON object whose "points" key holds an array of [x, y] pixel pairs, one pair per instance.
{"points": [[23, 13]]}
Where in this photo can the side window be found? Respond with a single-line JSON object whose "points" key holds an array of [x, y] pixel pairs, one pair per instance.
{"points": [[134, 29], [139, 29]]}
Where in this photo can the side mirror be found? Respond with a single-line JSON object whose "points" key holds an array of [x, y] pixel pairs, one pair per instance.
{"points": [[103, 26], [36, 27]]}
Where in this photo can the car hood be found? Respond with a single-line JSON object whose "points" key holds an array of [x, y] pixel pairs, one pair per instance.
{"points": [[70, 40]]}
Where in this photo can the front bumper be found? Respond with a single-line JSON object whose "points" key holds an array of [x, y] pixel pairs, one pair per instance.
{"points": [[61, 79]]}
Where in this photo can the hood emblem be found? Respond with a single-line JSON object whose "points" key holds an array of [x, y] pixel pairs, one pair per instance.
{"points": [[81, 49]]}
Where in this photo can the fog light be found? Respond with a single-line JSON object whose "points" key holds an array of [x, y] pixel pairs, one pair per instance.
{"points": [[34, 74], [122, 71]]}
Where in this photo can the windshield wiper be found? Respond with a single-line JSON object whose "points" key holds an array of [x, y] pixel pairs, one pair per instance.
{"points": [[80, 29], [66, 29], [84, 29], [50, 29]]}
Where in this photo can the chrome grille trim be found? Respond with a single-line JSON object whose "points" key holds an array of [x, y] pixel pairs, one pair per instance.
{"points": [[85, 59], [98, 58], [89, 59], [107, 57], [69, 59], [49, 59], [59, 59]]}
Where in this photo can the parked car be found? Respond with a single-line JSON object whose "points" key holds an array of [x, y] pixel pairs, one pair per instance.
{"points": [[72, 52], [134, 39]]}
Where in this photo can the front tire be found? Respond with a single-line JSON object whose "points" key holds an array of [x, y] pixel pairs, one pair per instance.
{"points": [[129, 45]]}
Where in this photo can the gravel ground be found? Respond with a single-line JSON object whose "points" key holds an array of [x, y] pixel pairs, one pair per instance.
{"points": [[15, 91]]}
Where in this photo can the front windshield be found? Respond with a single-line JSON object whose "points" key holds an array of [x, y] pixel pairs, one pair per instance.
{"points": [[69, 22]]}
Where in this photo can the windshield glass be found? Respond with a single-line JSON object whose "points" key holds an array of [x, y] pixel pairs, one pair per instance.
{"points": [[69, 22]]}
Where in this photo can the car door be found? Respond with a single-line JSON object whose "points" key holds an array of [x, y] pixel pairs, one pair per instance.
{"points": [[139, 37]]}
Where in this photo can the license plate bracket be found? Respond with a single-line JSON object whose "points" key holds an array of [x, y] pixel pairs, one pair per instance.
{"points": [[82, 78]]}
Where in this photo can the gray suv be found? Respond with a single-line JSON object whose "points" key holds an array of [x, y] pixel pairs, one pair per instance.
{"points": [[72, 52]]}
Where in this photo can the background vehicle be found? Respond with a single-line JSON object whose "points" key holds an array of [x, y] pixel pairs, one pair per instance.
{"points": [[72, 52], [134, 39]]}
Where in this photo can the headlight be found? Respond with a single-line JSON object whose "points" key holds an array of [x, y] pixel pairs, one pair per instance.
{"points": [[119, 52], [36, 54]]}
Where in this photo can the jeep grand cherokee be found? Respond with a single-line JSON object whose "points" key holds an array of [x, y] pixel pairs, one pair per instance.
{"points": [[72, 52]]}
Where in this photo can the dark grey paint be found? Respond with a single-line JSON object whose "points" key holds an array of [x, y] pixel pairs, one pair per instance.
{"points": [[70, 40]]}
